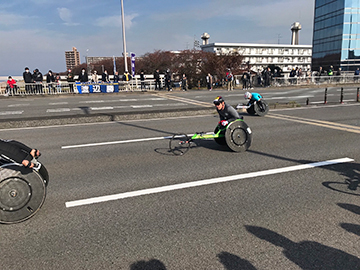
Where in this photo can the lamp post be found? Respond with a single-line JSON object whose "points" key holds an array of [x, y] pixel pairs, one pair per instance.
{"points": [[123, 34]]}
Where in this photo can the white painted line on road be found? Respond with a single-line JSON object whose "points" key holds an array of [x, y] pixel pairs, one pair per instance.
{"points": [[18, 105], [101, 108], [58, 110], [92, 101], [114, 142], [141, 106], [59, 103], [203, 182], [11, 112]]}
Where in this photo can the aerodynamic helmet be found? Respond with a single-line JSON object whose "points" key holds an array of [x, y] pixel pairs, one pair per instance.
{"points": [[247, 95], [218, 100]]}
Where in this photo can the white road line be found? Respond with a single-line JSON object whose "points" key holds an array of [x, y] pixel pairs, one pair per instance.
{"points": [[92, 101], [11, 112], [101, 108], [58, 110], [18, 105], [141, 106], [114, 142], [203, 182], [59, 103]]}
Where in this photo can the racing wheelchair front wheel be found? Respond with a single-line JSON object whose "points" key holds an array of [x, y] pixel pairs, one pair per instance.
{"points": [[22, 193], [261, 108], [238, 136], [179, 144]]}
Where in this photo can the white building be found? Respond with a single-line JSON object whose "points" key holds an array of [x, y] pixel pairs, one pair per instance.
{"points": [[259, 56]]}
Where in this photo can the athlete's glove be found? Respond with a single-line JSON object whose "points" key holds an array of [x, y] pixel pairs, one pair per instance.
{"points": [[224, 123]]}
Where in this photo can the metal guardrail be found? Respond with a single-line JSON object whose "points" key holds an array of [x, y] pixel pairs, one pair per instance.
{"points": [[23, 89], [302, 81]]}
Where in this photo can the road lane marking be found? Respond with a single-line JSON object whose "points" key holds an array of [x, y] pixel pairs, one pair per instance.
{"points": [[204, 182], [18, 105], [320, 123], [115, 142], [186, 100], [11, 112], [59, 103]]}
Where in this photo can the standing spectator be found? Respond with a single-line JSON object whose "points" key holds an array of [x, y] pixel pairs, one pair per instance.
{"points": [[126, 78], [356, 75], [83, 76], [58, 82], [70, 79], [10, 86], [28, 79], [229, 80], [50, 79], [168, 80], [184, 82], [38, 78], [116, 77], [157, 80], [244, 80], [142, 80], [330, 71], [259, 78], [105, 77], [338, 75], [209, 81], [94, 77], [267, 77]]}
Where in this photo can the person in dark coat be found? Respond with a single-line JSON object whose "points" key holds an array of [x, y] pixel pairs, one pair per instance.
{"points": [[83, 76], [28, 79]]}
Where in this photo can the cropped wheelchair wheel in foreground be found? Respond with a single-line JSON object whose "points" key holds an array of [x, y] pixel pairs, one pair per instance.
{"points": [[238, 136], [262, 109], [22, 193], [179, 144]]}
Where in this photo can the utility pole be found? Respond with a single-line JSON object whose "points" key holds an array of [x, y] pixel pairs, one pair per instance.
{"points": [[123, 34]]}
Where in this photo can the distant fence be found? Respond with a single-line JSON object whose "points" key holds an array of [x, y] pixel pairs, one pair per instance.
{"points": [[257, 81], [22, 88]]}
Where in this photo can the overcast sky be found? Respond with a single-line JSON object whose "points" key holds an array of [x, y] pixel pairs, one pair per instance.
{"points": [[36, 33]]}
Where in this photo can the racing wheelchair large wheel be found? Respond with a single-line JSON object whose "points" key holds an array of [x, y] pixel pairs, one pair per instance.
{"points": [[238, 136], [22, 192], [261, 108]]}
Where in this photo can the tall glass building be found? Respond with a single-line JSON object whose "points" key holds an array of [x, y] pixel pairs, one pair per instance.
{"points": [[336, 39]]}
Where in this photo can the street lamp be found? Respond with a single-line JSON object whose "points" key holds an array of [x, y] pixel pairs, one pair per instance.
{"points": [[123, 34]]}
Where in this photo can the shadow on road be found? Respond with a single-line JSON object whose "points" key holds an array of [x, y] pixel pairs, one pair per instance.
{"points": [[351, 184], [308, 255], [352, 228], [233, 262], [148, 265]]}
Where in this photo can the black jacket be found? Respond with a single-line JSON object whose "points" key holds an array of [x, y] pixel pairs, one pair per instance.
{"points": [[28, 78]]}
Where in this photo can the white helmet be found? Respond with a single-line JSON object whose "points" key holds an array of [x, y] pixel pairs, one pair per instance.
{"points": [[247, 95]]}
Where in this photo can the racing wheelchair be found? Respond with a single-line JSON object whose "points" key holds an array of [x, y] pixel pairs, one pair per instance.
{"points": [[259, 108], [237, 136], [22, 190]]}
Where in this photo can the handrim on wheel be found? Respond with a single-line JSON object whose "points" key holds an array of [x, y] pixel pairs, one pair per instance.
{"points": [[238, 136], [179, 144], [22, 193]]}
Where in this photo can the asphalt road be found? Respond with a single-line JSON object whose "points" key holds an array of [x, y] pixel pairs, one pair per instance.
{"points": [[286, 219], [111, 105]]}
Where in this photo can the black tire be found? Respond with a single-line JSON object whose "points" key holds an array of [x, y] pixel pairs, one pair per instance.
{"points": [[22, 193], [238, 136], [179, 144], [261, 109], [220, 140]]}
